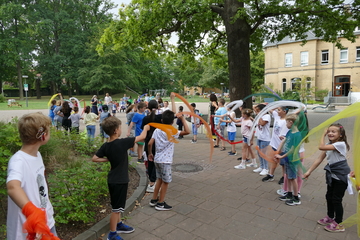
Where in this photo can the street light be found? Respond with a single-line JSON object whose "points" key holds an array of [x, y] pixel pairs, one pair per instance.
{"points": [[26, 88]]}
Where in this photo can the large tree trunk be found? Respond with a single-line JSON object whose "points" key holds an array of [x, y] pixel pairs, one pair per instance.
{"points": [[19, 75], [38, 87], [238, 36]]}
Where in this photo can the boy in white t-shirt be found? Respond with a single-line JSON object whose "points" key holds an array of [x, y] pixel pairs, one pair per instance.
{"points": [[28, 200], [231, 129], [164, 151]]}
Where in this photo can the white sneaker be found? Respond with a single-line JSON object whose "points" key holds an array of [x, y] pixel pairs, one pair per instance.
{"points": [[240, 166], [252, 165], [258, 170], [150, 189], [264, 172], [281, 192]]}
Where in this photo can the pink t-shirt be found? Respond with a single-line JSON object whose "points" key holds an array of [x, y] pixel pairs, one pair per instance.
{"points": [[246, 125]]}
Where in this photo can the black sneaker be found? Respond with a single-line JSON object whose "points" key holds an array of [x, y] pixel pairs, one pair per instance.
{"points": [[141, 160], [163, 206], [239, 158], [293, 202], [286, 197], [153, 202], [268, 178], [281, 181]]}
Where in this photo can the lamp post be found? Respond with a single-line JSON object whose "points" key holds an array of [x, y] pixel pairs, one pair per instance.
{"points": [[222, 89], [26, 88]]}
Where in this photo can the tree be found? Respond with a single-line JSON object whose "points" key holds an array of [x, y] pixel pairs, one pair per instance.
{"points": [[203, 25]]}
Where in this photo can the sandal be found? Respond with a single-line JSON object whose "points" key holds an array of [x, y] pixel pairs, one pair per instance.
{"points": [[216, 146], [222, 148]]}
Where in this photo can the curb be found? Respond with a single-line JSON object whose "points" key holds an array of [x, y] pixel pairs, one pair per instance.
{"points": [[102, 227]]}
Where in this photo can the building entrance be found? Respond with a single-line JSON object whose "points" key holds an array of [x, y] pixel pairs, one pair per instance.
{"points": [[341, 86]]}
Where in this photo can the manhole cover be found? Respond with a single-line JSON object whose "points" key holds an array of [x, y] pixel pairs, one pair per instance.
{"points": [[186, 167]]}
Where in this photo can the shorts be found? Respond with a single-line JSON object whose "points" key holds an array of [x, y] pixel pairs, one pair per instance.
{"points": [[118, 192], [245, 140], [141, 143], [221, 130], [283, 160], [231, 136], [194, 129], [163, 171], [291, 171]]}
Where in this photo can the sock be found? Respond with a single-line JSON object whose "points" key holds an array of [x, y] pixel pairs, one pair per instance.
{"points": [[271, 175], [242, 162], [254, 161], [112, 233]]}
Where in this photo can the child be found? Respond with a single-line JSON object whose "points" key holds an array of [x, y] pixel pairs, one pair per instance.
{"points": [[115, 151], [179, 121], [163, 159], [279, 130], [231, 129], [337, 170], [26, 184], [290, 142], [246, 124], [220, 126], [51, 112], [114, 108], [75, 121], [122, 105], [195, 123], [100, 105], [90, 123], [137, 121], [58, 115], [263, 139], [104, 114], [130, 111]]}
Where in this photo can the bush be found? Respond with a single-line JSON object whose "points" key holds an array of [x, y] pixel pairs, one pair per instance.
{"points": [[291, 95], [2, 98], [320, 94]]}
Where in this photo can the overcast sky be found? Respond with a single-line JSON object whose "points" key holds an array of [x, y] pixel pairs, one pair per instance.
{"points": [[119, 2]]}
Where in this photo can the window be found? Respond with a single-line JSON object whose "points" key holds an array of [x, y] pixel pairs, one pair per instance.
{"points": [[324, 56], [288, 60], [304, 58], [344, 55], [358, 54], [308, 83], [295, 83], [284, 84]]}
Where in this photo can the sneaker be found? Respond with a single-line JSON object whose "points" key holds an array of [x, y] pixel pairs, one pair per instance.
{"points": [[264, 172], [163, 206], [239, 158], [153, 202], [240, 166], [150, 189], [281, 192], [281, 181], [229, 152], [257, 170], [268, 178], [334, 227], [299, 196], [216, 146], [252, 165], [133, 154], [286, 197], [232, 153], [123, 228], [193, 141], [114, 237], [141, 160], [222, 148], [293, 202], [247, 161], [325, 221]]}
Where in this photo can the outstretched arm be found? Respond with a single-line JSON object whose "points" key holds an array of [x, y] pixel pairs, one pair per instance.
{"points": [[315, 165]]}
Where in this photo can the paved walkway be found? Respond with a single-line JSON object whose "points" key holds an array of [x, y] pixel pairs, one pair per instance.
{"points": [[221, 202]]}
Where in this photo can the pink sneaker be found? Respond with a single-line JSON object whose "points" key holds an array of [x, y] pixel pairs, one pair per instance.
{"points": [[334, 227], [325, 221]]}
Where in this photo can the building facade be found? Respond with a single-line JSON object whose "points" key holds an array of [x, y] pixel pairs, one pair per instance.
{"points": [[323, 65]]}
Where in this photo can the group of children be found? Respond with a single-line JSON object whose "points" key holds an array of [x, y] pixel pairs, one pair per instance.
{"points": [[28, 192]]}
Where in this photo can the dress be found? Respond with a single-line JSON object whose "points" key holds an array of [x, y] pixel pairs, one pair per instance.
{"points": [[94, 108]]}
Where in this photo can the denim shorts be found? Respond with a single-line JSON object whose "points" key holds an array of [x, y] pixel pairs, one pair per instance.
{"points": [[231, 136], [163, 171], [194, 129], [291, 171], [245, 139]]}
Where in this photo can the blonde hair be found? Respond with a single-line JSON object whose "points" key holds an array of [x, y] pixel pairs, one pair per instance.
{"points": [[291, 117], [247, 111], [32, 127]]}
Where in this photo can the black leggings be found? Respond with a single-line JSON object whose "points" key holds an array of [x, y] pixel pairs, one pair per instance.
{"points": [[334, 197], [151, 171]]}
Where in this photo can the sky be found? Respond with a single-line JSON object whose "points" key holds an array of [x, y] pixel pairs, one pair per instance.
{"points": [[119, 2]]}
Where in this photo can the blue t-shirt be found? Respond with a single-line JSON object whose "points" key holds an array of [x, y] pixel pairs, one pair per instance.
{"points": [[220, 111], [137, 119]]}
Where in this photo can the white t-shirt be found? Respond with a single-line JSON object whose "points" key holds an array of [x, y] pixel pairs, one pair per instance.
{"points": [[231, 127], [29, 170], [164, 149], [75, 119], [279, 129], [334, 156], [263, 132], [246, 125], [107, 99]]}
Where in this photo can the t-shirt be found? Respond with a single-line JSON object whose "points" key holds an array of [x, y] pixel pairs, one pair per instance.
{"points": [[231, 127], [164, 149], [57, 117], [75, 119], [195, 120], [30, 171], [146, 120], [90, 119], [116, 153], [138, 119], [334, 156], [263, 132], [292, 141], [107, 100], [279, 129], [246, 125], [220, 111], [51, 112], [104, 115]]}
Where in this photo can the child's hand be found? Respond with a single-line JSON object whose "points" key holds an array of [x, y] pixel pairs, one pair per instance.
{"points": [[179, 115], [306, 175], [172, 95], [352, 174], [281, 137], [151, 157]]}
